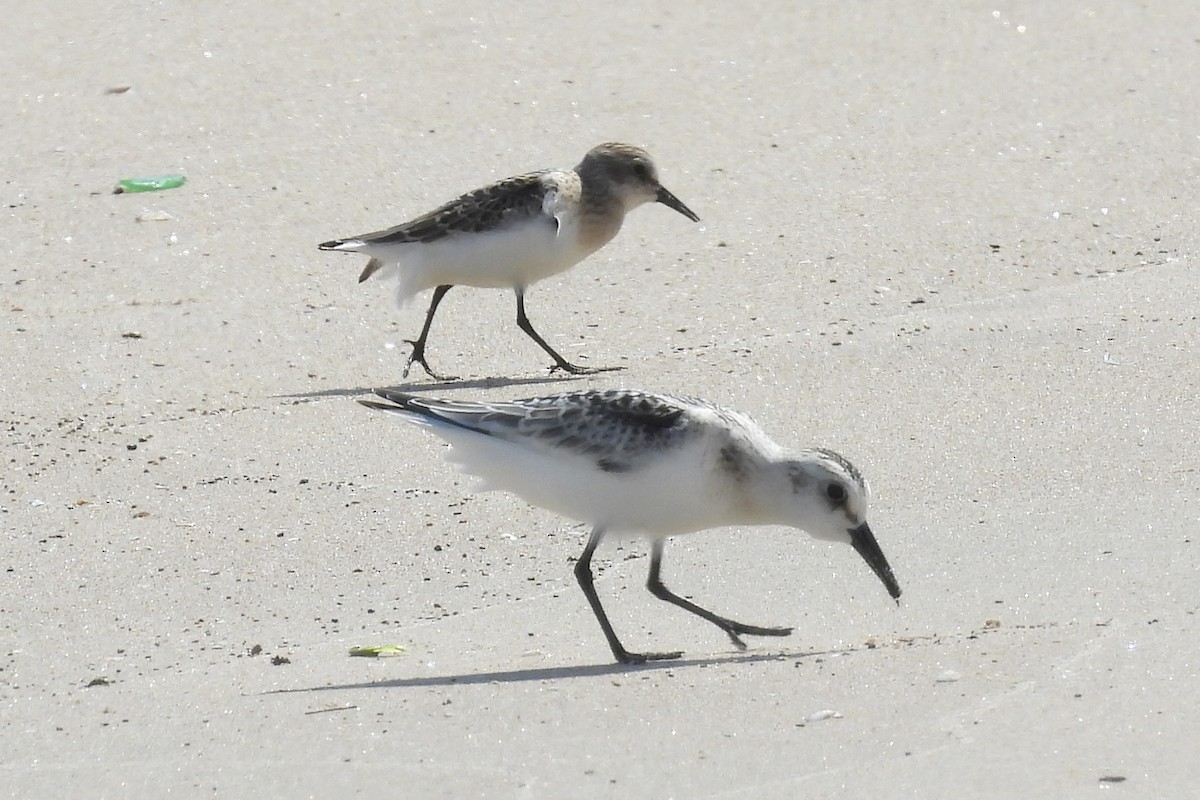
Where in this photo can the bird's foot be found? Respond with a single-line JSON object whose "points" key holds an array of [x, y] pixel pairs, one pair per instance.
{"points": [[418, 357], [626, 657], [734, 628], [575, 369]]}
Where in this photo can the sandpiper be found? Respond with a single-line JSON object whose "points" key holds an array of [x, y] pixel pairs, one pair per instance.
{"points": [[658, 465], [514, 233]]}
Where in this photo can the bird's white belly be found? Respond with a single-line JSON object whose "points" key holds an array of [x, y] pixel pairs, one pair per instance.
{"points": [[661, 500], [517, 256]]}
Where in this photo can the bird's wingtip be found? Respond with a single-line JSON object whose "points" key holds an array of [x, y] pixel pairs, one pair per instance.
{"points": [[401, 399]]}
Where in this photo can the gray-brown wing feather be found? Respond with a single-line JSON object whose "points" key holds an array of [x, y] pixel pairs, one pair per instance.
{"points": [[621, 430], [491, 207]]}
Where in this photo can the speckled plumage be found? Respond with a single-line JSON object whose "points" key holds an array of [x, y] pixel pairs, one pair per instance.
{"points": [[485, 209]]}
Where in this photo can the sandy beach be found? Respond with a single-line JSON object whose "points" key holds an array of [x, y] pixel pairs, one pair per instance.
{"points": [[952, 241]]}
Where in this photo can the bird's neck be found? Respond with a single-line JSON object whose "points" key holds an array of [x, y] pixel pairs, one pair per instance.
{"points": [[775, 494], [599, 222]]}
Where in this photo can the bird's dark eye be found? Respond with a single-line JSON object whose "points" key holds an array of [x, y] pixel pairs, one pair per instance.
{"points": [[641, 171], [836, 493]]}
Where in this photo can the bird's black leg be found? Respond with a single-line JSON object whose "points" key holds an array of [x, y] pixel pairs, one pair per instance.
{"points": [[583, 574], [418, 351], [559, 362], [732, 628]]}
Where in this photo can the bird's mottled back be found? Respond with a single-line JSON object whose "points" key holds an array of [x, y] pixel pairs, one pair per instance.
{"points": [[618, 428], [489, 208]]}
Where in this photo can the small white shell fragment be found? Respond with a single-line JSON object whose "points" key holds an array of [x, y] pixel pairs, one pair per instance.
{"points": [[949, 676], [154, 216], [818, 716]]}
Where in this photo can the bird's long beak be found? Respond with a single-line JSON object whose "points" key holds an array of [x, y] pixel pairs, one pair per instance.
{"points": [[864, 542], [671, 201]]}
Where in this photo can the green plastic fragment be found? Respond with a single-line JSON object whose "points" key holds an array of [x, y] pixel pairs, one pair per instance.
{"points": [[152, 184], [378, 651]]}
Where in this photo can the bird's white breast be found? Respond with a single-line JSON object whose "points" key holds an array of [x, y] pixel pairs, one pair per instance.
{"points": [[515, 256]]}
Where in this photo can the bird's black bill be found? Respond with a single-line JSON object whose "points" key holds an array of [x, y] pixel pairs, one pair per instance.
{"points": [[864, 542], [671, 201]]}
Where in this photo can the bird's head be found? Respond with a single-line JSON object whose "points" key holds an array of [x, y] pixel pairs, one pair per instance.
{"points": [[828, 500], [629, 172]]}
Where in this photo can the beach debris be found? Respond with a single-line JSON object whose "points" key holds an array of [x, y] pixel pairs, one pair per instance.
{"points": [[822, 715], [101, 681], [150, 184], [378, 651], [949, 676], [157, 215], [118, 89], [331, 709]]}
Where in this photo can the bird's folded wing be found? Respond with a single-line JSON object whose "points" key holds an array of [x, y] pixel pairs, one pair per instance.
{"points": [[621, 430], [492, 207]]}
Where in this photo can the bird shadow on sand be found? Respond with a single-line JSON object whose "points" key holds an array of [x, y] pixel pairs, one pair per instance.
{"points": [[422, 387], [562, 673]]}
